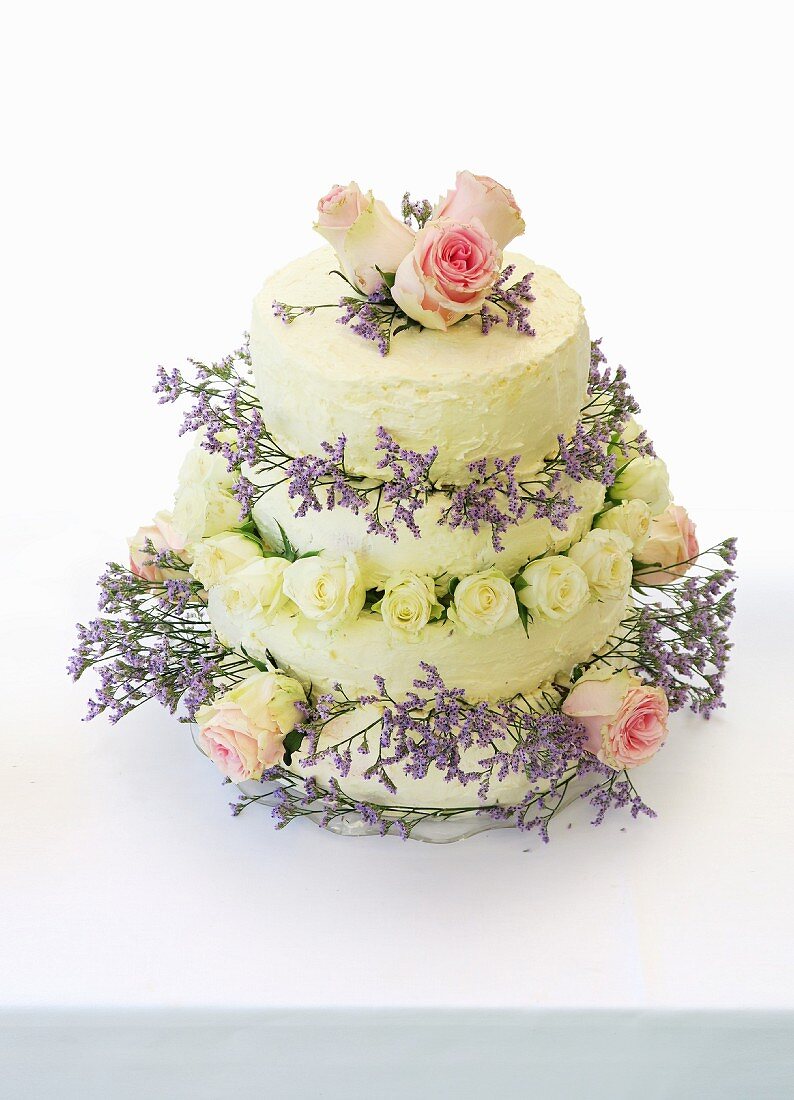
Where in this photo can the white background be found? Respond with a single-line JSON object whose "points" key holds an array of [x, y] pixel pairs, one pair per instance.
{"points": [[159, 160]]}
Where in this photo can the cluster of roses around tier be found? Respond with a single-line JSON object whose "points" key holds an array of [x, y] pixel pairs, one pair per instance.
{"points": [[639, 533], [439, 274]]}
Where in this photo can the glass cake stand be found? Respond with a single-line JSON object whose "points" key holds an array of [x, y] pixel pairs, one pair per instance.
{"points": [[432, 830]]}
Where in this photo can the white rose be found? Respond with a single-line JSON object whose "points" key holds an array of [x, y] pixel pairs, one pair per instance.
{"points": [[605, 558], [632, 519], [254, 590], [204, 504], [327, 590], [408, 604], [218, 556], [484, 602], [645, 479], [554, 588]]}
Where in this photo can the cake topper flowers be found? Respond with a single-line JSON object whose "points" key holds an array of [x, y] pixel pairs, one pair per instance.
{"points": [[435, 268]]}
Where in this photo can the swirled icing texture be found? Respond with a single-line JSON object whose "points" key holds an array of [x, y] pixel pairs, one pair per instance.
{"points": [[472, 396]]}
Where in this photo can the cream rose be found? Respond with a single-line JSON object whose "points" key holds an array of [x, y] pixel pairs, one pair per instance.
{"points": [[632, 519], [449, 273], [484, 602], [243, 731], [204, 504], [643, 478], [162, 537], [553, 588], [214, 558], [672, 544], [605, 558], [364, 234], [254, 590], [482, 197], [408, 604], [327, 590], [625, 720]]}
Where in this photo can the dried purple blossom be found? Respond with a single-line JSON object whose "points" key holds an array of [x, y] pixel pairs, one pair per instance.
{"points": [[420, 211], [153, 642], [514, 301], [406, 490]]}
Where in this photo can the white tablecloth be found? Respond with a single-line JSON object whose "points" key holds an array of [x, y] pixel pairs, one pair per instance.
{"points": [[153, 945]]}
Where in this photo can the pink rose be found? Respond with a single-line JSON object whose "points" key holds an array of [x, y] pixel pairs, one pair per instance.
{"points": [[162, 536], [625, 720], [337, 211], [672, 543], [364, 235], [448, 274], [483, 198], [243, 731]]}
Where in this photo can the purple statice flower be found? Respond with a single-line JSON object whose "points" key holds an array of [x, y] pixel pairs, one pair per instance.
{"points": [[246, 493], [168, 386], [491, 499], [488, 319], [434, 724], [367, 319], [611, 405], [611, 790], [514, 301], [287, 314], [407, 488], [176, 595], [584, 456], [676, 637], [727, 551], [308, 473], [420, 211]]}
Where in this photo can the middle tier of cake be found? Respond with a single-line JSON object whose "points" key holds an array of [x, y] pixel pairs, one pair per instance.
{"points": [[440, 551]]}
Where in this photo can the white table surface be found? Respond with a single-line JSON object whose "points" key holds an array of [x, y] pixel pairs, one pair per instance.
{"points": [[153, 945]]}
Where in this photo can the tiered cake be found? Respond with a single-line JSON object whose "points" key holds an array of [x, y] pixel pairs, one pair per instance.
{"points": [[442, 580]]}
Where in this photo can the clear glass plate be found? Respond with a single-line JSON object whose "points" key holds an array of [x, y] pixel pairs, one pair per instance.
{"points": [[432, 830]]}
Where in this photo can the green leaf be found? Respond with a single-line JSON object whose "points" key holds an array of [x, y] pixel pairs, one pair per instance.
{"points": [[525, 617], [292, 742], [520, 583], [289, 551], [252, 537], [352, 286], [260, 665], [387, 276], [453, 584]]}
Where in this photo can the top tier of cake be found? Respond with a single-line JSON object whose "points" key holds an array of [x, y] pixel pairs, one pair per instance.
{"points": [[471, 396]]}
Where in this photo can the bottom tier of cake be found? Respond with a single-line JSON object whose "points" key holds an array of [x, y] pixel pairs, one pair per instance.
{"points": [[456, 823]]}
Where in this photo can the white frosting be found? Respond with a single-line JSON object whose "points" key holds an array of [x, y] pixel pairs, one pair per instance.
{"points": [[492, 667], [472, 396], [440, 549]]}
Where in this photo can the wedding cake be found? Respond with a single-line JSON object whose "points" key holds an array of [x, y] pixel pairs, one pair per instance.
{"points": [[423, 570]]}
